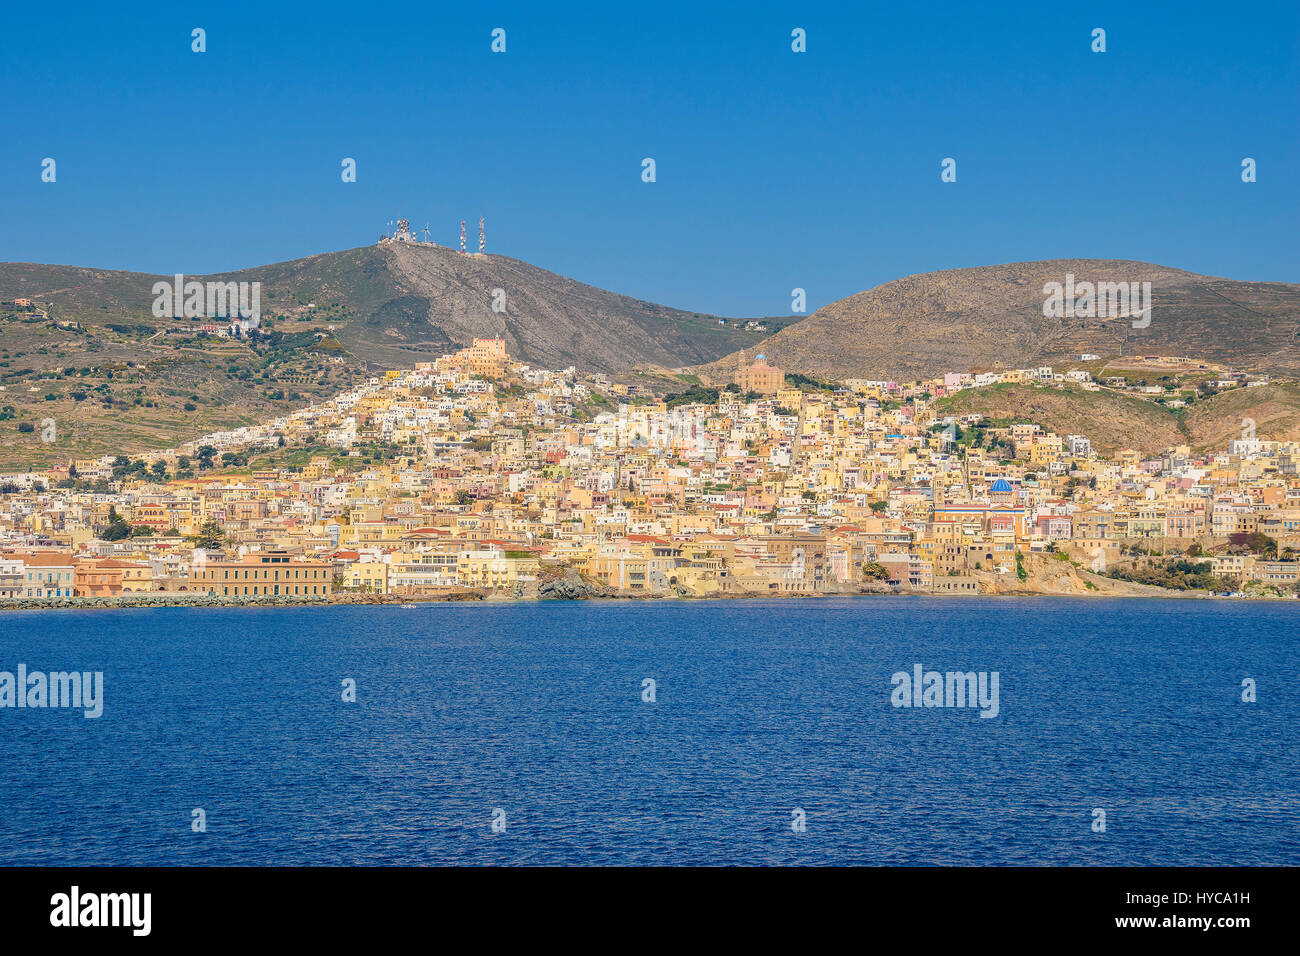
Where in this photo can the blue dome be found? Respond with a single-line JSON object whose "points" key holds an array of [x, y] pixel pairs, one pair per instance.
{"points": [[1001, 485]]}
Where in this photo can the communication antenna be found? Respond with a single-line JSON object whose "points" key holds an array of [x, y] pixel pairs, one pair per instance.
{"points": [[426, 232], [482, 243], [462, 237]]}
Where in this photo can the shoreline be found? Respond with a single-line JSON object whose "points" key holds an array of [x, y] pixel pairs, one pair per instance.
{"points": [[480, 597]]}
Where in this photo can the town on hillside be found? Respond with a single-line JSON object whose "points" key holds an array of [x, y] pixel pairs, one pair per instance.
{"points": [[478, 476]]}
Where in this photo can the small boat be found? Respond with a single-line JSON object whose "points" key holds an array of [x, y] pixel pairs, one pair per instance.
{"points": [[408, 607]]}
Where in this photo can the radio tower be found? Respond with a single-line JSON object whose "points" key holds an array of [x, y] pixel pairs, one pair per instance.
{"points": [[482, 243], [462, 237], [426, 232]]}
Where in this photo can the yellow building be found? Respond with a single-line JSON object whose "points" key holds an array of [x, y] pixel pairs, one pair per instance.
{"points": [[623, 568], [137, 576], [368, 576], [269, 573], [485, 357], [494, 568]]}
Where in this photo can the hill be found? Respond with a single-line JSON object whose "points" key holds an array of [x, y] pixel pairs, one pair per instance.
{"points": [[992, 318], [401, 302], [1113, 421], [90, 355]]}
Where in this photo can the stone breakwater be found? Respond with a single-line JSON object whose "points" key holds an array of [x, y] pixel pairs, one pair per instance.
{"points": [[566, 590], [207, 600]]}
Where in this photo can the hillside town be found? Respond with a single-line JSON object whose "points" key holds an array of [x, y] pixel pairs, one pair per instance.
{"points": [[477, 476]]}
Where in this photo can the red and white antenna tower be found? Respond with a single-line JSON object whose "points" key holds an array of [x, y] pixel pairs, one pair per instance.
{"points": [[462, 237], [482, 243]]}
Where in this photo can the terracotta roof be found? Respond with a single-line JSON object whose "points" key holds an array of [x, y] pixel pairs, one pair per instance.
{"points": [[48, 559]]}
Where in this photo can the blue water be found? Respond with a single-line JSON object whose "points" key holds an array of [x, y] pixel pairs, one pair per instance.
{"points": [[1131, 706]]}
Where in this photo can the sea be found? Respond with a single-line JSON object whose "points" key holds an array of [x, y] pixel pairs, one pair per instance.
{"points": [[1125, 732]]}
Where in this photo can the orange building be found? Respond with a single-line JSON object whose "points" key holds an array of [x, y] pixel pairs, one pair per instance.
{"points": [[760, 377], [100, 577], [269, 573]]}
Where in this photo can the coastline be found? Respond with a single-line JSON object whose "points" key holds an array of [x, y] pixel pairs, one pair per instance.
{"points": [[482, 597]]}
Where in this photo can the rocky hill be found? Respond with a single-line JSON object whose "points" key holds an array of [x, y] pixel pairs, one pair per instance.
{"points": [[397, 303], [89, 355], [992, 318], [1115, 421]]}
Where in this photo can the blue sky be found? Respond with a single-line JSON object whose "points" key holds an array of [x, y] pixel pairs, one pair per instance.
{"points": [[774, 169]]}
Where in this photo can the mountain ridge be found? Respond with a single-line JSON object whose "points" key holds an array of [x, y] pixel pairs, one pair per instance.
{"points": [[400, 302], [991, 317]]}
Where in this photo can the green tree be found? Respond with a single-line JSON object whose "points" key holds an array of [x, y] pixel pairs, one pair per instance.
{"points": [[117, 527], [210, 537]]}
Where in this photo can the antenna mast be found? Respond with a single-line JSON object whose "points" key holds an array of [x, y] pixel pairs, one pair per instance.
{"points": [[482, 243], [462, 237]]}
